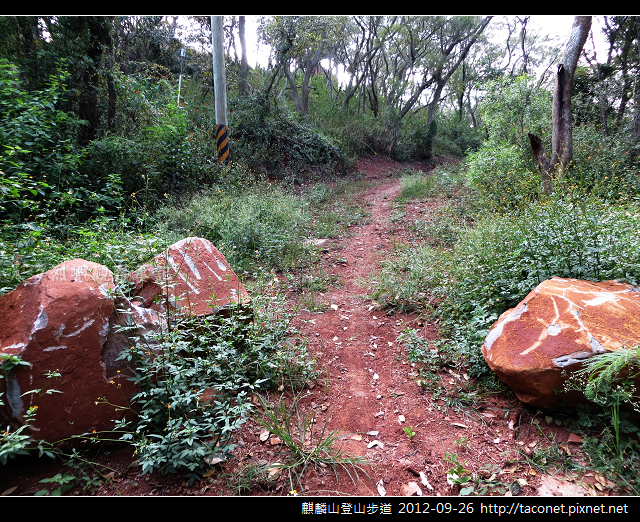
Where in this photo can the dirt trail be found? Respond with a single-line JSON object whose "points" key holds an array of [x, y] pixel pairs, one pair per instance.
{"points": [[357, 344], [372, 387]]}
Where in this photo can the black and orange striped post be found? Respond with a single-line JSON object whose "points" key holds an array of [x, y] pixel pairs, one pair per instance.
{"points": [[222, 140]]}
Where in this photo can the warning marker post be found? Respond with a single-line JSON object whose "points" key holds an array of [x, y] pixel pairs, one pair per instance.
{"points": [[220, 89]]}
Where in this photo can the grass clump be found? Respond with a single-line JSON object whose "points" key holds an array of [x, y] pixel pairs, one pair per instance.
{"points": [[262, 225], [416, 184], [306, 444]]}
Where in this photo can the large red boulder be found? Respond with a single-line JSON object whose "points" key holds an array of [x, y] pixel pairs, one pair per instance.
{"points": [[192, 276], [67, 321], [536, 345], [59, 321]]}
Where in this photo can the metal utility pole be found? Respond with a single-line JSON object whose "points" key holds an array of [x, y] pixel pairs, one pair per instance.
{"points": [[220, 89]]}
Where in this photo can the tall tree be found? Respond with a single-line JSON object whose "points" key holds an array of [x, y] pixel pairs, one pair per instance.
{"points": [[562, 133], [423, 60], [244, 66], [84, 38], [301, 42]]}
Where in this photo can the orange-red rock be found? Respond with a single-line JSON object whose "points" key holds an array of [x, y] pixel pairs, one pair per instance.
{"points": [[196, 276], [562, 322], [65, 320], [59, 321]]}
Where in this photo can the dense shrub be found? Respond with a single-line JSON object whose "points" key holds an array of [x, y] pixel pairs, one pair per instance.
{"points": [[27, 249], [261, 224], [603, 165], [505, 176], [266, 140], [468, 275], [503, 170], [38, 160], [447, 135], [195, 384], [497, 262]]}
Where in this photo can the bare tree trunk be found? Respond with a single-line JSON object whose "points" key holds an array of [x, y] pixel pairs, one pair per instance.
{"points": [[562, 134], [292, 84], [544, 163], [244, 66], [312, 64], [562, 137]]}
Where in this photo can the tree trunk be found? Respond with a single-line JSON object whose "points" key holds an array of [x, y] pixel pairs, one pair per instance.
{"points": [[544, 163], [294, 88], [244, 66], [311, 66], [562, 134]]}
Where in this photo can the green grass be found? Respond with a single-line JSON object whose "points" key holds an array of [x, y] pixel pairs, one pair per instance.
{"points": [[416, 184], [306, 444], [262, 225]]}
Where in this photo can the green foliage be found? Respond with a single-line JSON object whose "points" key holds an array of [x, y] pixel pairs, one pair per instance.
{"points": [[406, 277], [603, 165], [504, 176], [503, 170], [495, 264], [336, 207], [608, 380], [195, 382], [266, 140], [28, 249], [458, 476], [356, 132], [13, 442], [408, 431], [152, 149], [64, 481], [512, 108], [262, 224], [448, 135], [416, 276], [416, 184], [38, 162], [456, 136]]}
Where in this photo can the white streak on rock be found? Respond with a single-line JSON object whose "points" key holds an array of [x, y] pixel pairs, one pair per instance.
{"points": [[601, 299], [191, 264], [212, 271], [41, 321], [52, 348], [177, 271], [554, 329], [497, 330], [86, 325]]}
